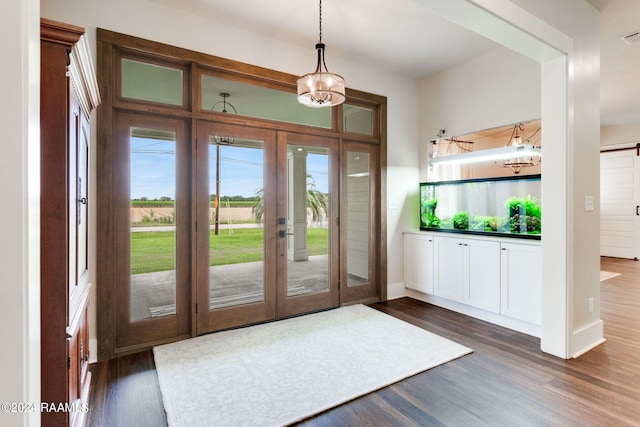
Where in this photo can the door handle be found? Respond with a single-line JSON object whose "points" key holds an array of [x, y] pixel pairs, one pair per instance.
{"points": [[283, 233]]}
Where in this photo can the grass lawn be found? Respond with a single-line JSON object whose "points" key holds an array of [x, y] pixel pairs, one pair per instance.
{"points": [[154, 250]]}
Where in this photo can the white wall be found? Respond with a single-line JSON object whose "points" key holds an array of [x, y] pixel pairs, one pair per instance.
{"points": [[580, 21], [620, 134], [498, 88], [20, 240], [152, 21]]}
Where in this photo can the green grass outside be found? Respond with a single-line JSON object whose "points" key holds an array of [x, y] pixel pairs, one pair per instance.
{"points": [[154, 250]]}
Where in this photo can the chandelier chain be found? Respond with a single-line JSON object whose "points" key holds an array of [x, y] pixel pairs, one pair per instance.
{"points": [[320, 21]]}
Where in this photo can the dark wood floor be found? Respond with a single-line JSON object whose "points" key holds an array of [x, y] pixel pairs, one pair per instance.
{"points": [[506, 381]]}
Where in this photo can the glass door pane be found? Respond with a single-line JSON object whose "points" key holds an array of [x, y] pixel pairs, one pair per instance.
{"points": [[361, 224], [152, 223], [308, 213], [151, 241], [358, 217], [236, 212]]}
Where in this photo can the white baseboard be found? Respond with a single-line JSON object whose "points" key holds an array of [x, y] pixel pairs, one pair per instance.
{"points": [[396, 290], [497, 319], [587, 337]]}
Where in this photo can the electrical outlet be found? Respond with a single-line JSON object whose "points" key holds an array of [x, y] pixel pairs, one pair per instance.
{"points": [[591, 305]]}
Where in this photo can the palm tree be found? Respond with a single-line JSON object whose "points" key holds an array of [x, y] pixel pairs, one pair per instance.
{"points": [[258, 208], [317, 202]]}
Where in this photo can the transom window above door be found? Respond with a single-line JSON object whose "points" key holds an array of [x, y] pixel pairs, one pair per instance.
{"points": [[260, 102]]}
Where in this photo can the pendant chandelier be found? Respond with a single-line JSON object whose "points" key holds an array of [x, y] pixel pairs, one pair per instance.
{"points": [[224, 140], [321, 88], [516, 164]]}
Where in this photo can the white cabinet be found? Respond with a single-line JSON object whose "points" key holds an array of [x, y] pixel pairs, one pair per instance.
{"points": [[482, 280], [521, 277], [449, 268], [468, 271], [498, 280], [418, 262]]}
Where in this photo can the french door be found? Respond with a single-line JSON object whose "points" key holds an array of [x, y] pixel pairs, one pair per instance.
{"points": [[266, 221]]}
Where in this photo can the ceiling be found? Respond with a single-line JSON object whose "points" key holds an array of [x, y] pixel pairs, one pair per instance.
{"points": [[406, 38], [619, 62]]}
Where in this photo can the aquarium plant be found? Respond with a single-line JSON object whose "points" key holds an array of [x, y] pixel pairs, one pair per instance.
{"points": [[485, 223], [428, 215], [461, 221], [524, 214]]}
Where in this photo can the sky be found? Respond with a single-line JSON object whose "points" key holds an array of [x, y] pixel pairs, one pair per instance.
{"points": [[242, 169]]}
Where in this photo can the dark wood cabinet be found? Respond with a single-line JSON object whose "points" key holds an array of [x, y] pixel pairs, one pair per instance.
{"points": [[68, 94]]}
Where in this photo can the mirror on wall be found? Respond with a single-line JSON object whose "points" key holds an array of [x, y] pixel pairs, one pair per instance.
{"points": [[524, 133]]}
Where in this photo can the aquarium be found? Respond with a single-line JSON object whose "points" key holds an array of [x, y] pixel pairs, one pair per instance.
{"points": [[505, 206]]}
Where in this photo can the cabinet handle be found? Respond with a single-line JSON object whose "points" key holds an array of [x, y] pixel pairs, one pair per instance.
{"points": [[465, 244], [637, 207], [459, 244], [504, 249]]}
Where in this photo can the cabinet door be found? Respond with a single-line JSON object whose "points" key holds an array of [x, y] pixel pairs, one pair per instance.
{"points": [[77, 363], [418, 262], [78, 202], [482, 278], [521, 277], [449, 268], [73, 366]]}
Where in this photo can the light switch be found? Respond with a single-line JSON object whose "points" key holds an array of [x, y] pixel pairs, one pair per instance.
{"points": [[392, 204], [588, 203]]}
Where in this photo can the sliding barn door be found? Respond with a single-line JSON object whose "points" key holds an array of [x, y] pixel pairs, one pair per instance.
{"points": [[620, 204]]}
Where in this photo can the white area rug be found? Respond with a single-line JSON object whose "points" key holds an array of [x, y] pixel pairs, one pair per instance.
{"points": [[604, 275], [282, 372]]}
